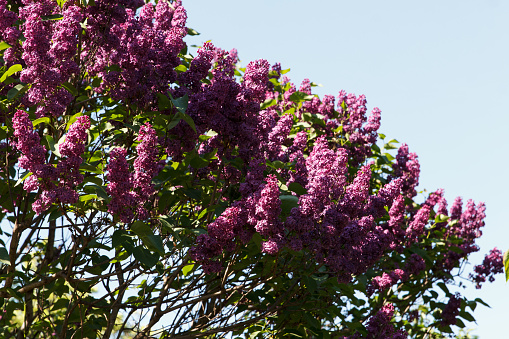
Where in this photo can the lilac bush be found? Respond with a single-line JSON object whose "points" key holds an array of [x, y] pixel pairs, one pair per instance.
{"points": [[147, 192]]}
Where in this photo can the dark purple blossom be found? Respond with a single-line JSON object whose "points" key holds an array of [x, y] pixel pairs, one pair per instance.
{"points": [[451, 310], [492, 264]]}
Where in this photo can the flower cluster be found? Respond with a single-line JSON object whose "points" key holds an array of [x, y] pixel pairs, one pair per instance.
{"points": [[146, 167], [55, 183], [71, 151], [135, 57], [379, 326], [119, 186], [492, 264], [49, 55], [407, 167], [131, 190], [451, 310]]}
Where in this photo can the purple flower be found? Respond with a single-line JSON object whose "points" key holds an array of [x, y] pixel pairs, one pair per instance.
{"points": [[492, 264], [380, 327], [451, 310]]}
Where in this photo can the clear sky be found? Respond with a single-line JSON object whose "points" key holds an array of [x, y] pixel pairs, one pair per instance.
{"points": [[438, 70]]}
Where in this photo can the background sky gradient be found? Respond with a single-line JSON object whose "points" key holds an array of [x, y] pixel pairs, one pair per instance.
{"points": [[438, 70]]}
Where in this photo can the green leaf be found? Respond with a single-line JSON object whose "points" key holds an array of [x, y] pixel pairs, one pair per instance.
{"points": [[141, 229], [4, 132], [460, 323], [180, 103], [44, 120], [506, 265], [145, 257], [68, 86], [187, 269], [51, 142], [154, 243], [119, 237], [95, 244], [444, 288], [198, 162], [18, 89], [467, 316], [480, 301], [101, 193], [4, 45], [300, 96], [52, 17], [310, 284], [288, 202], [189, 120], [73, 119], [181, 68], [191, 31], [87, 197], [268, 103], [25, 175], [57, 213], [163, 102], [4, 256], [297, 188], [89, 168], [13, 69]]}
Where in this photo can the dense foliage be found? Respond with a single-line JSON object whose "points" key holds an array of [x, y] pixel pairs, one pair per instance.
{"points": [[149, 193]]}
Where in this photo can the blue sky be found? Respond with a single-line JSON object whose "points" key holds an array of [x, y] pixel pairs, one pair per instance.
{"points": [[438, 70]]}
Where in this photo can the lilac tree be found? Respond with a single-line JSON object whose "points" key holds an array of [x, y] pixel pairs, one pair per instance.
{"points": [[146, 192]]}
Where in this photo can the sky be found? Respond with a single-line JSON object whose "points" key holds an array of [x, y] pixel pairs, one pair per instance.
{"points": [[438, 70]]}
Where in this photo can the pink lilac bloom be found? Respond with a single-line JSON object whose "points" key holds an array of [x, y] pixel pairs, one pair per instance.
{"points": [[407, 167], [492, 264], [397, 217], [268, 208], [352, 117], [226, 226], [49, 55], [379, 326], [120, 185], [67, 171], [326, 171], [71, 151], [199, 67], [385, 281], [417, 226], [466, 225], [278, 135], [130, 191], [145, 49]]}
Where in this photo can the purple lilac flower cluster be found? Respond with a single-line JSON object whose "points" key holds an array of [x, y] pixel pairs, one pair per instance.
{"points": [[119, 186], [334, 220], [49, 55], [466, 225], [492, 264], [71, 151], [407, 167], [33, 154], [379, 326], [413, 265], [7, 20], [451, 310], [357, 128], [221, 103], [135, 56], [10, 34], [33, 158], [131, 190]]}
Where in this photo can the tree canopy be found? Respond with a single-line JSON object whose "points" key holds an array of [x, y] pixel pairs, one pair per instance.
{"points": [[150, 193]]}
